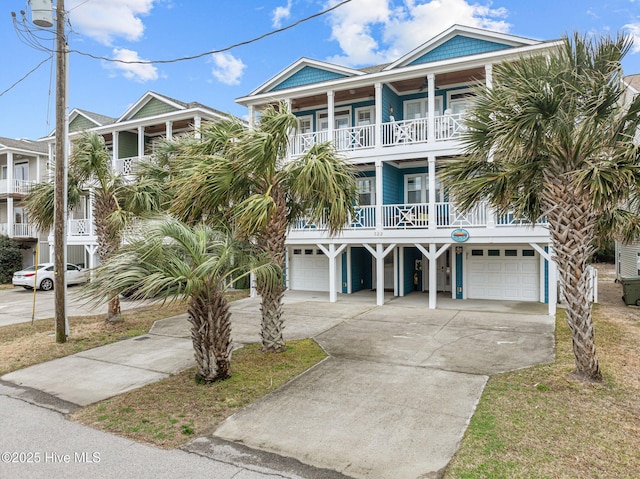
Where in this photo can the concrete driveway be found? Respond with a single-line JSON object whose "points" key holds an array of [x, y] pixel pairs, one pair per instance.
{"points": [[396, 393]]}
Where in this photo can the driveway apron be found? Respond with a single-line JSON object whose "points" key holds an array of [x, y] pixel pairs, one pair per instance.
{"points": [[397, 391]]}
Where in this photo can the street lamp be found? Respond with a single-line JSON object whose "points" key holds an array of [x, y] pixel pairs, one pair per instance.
{"points": [[42, 16]]}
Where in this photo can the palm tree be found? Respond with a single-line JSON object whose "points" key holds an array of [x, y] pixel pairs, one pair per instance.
{"points": [[552, 138], [89, 166], [240, 175], [175, 262]]}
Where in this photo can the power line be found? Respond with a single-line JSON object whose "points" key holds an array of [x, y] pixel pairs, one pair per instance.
{"points": [[25, 76], [211, 52]]}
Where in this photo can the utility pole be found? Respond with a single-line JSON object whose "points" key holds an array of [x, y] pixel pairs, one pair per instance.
{"points": [[60, 179]]}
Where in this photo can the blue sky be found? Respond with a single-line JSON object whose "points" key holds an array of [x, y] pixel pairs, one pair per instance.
{"points": [[359, 33]]}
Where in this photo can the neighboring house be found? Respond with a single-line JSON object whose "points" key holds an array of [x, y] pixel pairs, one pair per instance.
{"points": [[628, 255], [22, 163], [398, 124], [129, 139]]}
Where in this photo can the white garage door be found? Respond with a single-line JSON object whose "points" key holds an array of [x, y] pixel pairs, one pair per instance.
{"points": [[309, 270], [503, 273]]}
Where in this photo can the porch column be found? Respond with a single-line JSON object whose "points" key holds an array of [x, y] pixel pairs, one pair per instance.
{"points": [[168, 128], [431, 108], [378, 195], [38, 171], [553, 275], [140, 141], [432, 255], [401, 271], [116, 148], [330, 114], [197, 125], [52, 159], [488, 70], [91, 250], [396, 288], [378, 119], [90, 212], [10, 189], [332, 253], [432, 211], [379, 253], [252, 116], [349, 273]]}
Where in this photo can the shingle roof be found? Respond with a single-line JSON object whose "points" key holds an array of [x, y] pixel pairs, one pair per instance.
{"points": [[634, 81], [27, 145], [97, 117]]}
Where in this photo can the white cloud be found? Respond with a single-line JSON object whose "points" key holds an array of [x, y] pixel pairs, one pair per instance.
{"points": [[140, 72], [228, 69], [280, 14], [105, 21], [402, 26], [634, 31]]}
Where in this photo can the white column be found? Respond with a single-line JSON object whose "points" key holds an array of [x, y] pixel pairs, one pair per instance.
{"points": [[90, 212], [379, 274], [330, 114], [349, 272], [378, 195], [433, 276], [553, 286], [10, 186], [433, 220], [396, 289], [38, 170], [378, 122], [488, 69], [401, 291], [10, 189], [50, 148], [431, 107], [252, 116], [168, 128], [197, 124], [333, 293], [116, 149], [140, 141]]}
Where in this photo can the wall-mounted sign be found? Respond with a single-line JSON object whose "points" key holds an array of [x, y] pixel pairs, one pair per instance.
{"points": [[460, 235]]}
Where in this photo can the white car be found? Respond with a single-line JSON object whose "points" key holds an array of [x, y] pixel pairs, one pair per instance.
{"points": [[43, 277]]}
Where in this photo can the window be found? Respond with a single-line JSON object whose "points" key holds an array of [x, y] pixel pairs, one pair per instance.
{"points": [[308, 251], [19, 215], [459, 101], [366, 191], [511, 252], [3, 175], [297, 251], [414, 109], [342, 119], [417, 189], [528, 252], [493, 252], [477, 252], [305, 124], [365, 116], [21, 171]]}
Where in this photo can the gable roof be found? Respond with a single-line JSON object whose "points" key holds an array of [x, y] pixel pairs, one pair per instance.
{"points": [[633, 81], [23, 145], [306, 71], [458, 41]]}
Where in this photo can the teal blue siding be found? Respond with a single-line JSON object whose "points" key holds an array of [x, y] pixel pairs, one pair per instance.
{"points": [[344, 272], [546, 278], [361, 269], [306, 76], [410, 256], [390, 99], [392, 185], [459, 274], [459, 46]]}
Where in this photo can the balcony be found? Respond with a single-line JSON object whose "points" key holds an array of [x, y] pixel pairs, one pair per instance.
{"points": [[446, 127], [127, 166], [18, 230], [446, 215], [82, 227], [16, 187]]}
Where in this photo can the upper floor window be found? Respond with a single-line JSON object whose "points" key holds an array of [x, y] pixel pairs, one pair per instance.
{"points": [[459, 101], [365, 116], [342, 119], [366, 191], [305, 124], [414, 109], [21, 171]]}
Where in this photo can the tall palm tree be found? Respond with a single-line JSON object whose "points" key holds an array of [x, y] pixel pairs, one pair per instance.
{"points": [[175, 262], [552, 138], [241, 176], [89, 167]]}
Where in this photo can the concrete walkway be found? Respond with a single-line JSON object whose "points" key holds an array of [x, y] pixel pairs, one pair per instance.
{"points": [[392, 400]]}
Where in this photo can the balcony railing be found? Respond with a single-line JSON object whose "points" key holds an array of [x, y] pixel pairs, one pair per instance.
{"points": [[416, 216], [19, 230], [80, 227], [127, 166], [16, 186], [394, 133]]}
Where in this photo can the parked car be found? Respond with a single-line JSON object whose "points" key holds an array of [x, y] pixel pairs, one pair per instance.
{"points": [[44, 276]]}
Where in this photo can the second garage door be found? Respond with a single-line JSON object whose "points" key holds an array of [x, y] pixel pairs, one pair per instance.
{"points": [[309, 270], [503, 273]]}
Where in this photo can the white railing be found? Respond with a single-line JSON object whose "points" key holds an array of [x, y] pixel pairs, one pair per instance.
{"points": [[405, 216], [404, 132], [448, 126], [79, 227], [127, 166], [4, 229], [450, 215], [355, 138], [303, 142], [23, 230], [510, 219], [16, 186], [364, 217]]}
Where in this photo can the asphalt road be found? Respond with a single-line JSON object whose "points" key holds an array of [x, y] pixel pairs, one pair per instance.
{"points": [[17, 305]]}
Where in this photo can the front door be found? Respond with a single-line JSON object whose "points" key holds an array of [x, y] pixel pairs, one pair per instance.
{"points": [[443, 271]]}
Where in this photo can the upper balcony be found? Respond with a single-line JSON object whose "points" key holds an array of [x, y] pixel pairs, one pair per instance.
{"points": [[18, 230], [16, 188], [419, 131]]}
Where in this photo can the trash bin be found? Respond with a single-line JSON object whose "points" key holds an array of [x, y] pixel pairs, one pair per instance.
{"points": [[631, 290]]}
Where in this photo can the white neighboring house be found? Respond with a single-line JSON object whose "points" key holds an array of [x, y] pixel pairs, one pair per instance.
{"points": [[398, 124], [129, 139], [22, 163], [628, 255]]}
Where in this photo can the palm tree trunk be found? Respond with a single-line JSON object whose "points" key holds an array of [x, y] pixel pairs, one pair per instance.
{"points": [[271, 307], [574, 246], [108, 241], [210, 320]]}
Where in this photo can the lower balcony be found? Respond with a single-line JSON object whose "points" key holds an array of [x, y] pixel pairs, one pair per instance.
{"points": [[420, 215], [18, 230]]}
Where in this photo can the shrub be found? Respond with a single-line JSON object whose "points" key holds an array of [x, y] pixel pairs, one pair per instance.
{"points": [[10, 259]]}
